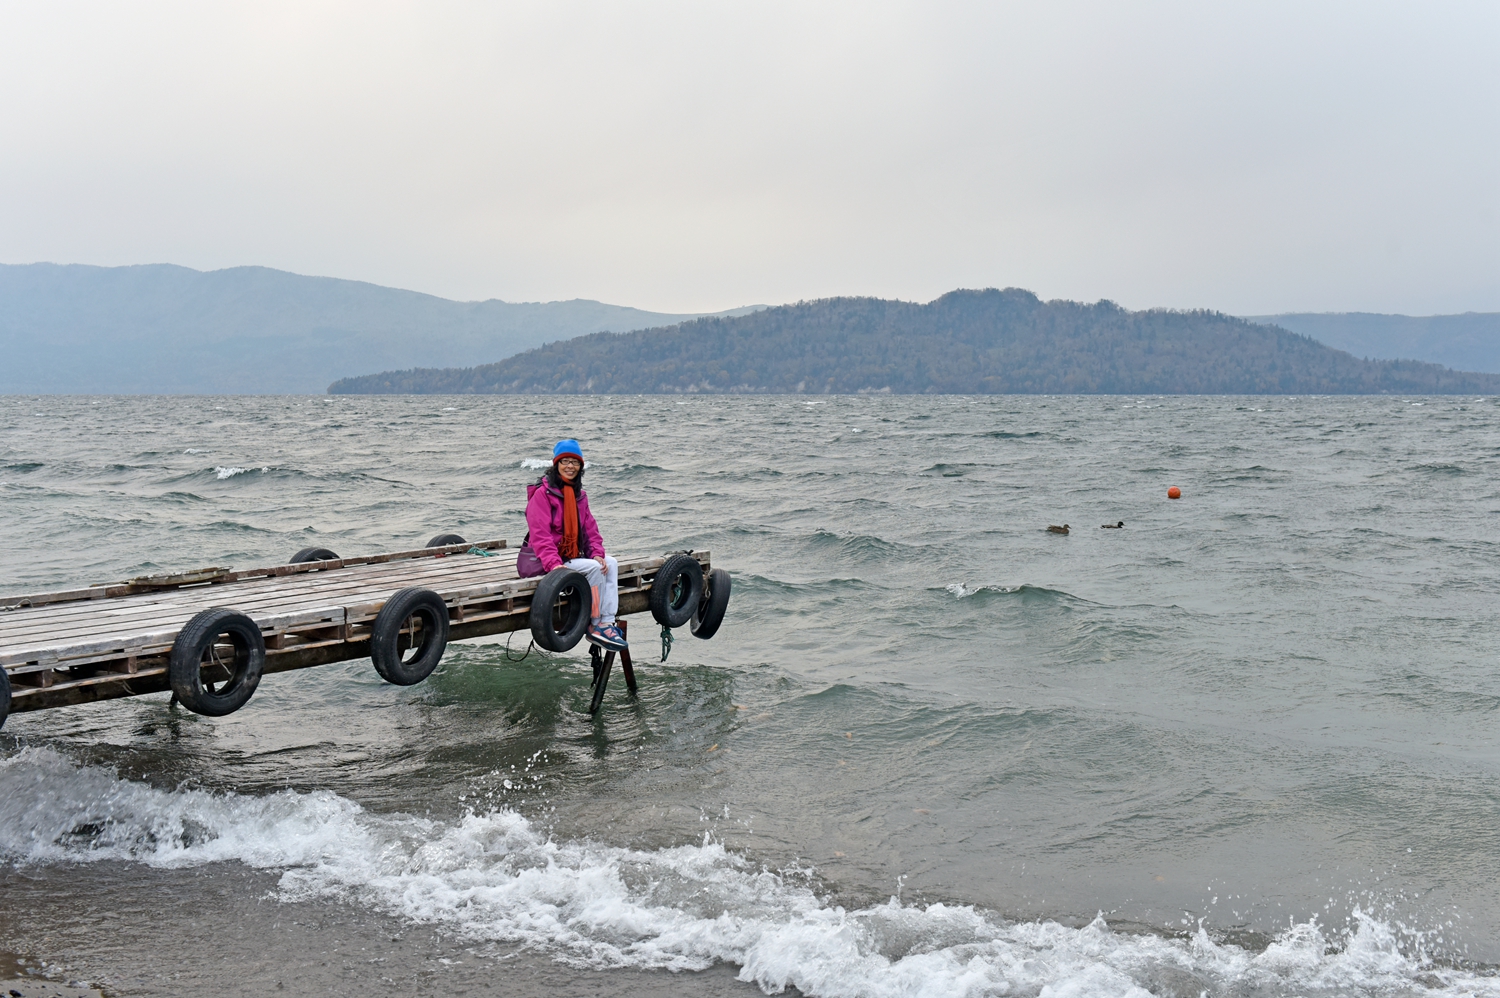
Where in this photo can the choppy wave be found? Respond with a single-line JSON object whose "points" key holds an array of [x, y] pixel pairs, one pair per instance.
{"points": [[747, 582], [222, 472], [856, 547], [951, 470], [962, 590], [540, 463], [495, 876], [1024, 592]]}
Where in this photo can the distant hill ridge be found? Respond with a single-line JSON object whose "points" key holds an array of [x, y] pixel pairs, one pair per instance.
{"points": [[1467, 342], [965, 342], [161, 328]]}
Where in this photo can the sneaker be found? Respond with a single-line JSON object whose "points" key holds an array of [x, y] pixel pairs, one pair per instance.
{"points": [[609, 637]]}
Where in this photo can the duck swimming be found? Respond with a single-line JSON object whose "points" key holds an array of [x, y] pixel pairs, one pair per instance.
{"points": [[1058, 530], [1113, 526]]}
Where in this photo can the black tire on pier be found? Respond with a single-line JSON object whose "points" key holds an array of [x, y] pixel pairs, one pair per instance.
{"points": [[710, 612], [4, 696], [312, 554], [443, 540], [208, 677], [560, 609], [409, 612], [677, 589]]}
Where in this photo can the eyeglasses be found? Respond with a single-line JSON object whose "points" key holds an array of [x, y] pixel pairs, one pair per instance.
{"points": [[571, 460]]}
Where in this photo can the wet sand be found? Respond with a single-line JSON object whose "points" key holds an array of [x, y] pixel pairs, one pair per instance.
{"points": [[219, 930], [36, 987]]}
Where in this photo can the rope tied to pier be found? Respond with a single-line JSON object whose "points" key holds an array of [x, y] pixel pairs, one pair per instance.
{"points": [[666, 641], [476, 549]]}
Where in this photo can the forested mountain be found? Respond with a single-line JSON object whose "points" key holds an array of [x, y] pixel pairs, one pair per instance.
{"points": [[968, 342], [166, 329], [1468, 342]]}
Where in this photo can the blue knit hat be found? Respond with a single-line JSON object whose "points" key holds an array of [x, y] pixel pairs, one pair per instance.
{"points": [[566, 447]]}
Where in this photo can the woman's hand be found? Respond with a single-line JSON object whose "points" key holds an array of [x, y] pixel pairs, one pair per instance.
{"points": [[602, 565]]}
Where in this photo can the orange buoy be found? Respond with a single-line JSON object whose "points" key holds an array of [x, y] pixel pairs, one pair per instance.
{"points": [[1174, 493]]}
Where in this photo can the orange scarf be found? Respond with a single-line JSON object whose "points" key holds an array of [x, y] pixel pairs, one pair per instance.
{"points": [[568, 547]]}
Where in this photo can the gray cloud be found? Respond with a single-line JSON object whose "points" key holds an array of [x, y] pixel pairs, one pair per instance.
{"points": [[1256, 157]]}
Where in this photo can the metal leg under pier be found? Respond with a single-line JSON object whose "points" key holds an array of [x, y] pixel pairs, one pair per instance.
{"points": [[603, 662], [602, 665]]}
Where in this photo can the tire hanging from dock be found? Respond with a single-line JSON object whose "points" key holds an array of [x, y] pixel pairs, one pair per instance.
{"points": [[443, 540], [398, 619], [231, 682], [709, 613], [312, 554], [677, 590], [559, 628]]}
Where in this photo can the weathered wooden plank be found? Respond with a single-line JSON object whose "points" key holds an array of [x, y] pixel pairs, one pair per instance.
{"points": [[217, 591], [122, 589], [246, 597], [151, 632], [19, 694], [395, 577], [15, 623], [156, 608], [126, 614], [262, 607], [432, 578]]}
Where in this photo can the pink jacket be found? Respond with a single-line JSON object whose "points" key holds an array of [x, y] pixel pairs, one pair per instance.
{"points": [[544, 521]]}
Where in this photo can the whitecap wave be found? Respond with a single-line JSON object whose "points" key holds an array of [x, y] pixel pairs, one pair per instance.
{"points": [[962, 589], [538, 463], [225, 472], [496, 876]]}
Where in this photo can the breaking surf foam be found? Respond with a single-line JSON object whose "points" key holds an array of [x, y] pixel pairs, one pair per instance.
{"points": [[538, 463], [495, 876], [221, 473]]}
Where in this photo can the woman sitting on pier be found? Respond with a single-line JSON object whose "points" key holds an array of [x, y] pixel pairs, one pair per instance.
{"points": [[562, 532]]}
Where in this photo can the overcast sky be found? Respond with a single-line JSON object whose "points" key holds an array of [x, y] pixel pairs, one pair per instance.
{"points": [[1251, 157]]}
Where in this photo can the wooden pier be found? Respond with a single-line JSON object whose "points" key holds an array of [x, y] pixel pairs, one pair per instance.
{"points": [[104, 642]]}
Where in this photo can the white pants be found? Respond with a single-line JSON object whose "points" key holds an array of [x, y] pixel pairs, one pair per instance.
{"points": [[606, 585]]}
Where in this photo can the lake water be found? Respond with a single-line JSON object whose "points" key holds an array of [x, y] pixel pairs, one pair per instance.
{"points": [[1245, 745]]}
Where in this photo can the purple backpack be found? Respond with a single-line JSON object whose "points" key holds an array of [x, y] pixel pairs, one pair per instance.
{"points": [[527, 563]]}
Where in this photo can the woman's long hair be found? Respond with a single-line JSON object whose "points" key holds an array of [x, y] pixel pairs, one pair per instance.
{"points": [[556, 480]]}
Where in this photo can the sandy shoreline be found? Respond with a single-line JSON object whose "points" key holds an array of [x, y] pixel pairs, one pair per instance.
{"points": [[526, 975], [219, 930], [37, 987], [17, 980]]}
